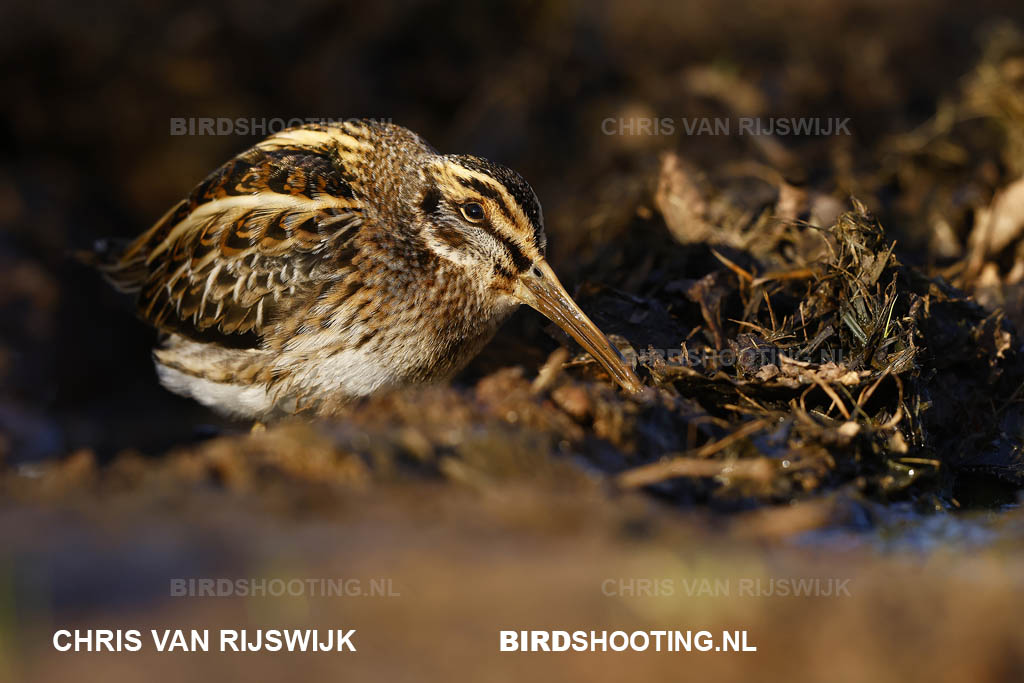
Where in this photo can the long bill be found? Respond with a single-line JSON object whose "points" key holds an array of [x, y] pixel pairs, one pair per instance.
{"points": [[539, 287]]}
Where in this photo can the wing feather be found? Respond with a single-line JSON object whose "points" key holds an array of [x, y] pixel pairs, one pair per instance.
{"points": [[278, 218]]}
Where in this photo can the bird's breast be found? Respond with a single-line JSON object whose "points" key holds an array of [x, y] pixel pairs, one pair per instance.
{"points": [[415, 330]]}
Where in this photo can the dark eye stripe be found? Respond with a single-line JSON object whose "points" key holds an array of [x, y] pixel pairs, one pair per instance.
{"points": [[486, 190], [514, 252], [431, 204], [518, 258], [431, 201], [500, 269]]}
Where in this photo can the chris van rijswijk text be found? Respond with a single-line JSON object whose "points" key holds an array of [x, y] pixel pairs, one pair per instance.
{"points": [[193, 640]]}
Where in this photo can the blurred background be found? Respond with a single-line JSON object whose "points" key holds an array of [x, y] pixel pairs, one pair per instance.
{"points": [[98, 516], [92, 90]]}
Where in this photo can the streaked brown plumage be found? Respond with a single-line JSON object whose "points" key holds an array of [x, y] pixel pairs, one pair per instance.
{"points": [[333, 261]]}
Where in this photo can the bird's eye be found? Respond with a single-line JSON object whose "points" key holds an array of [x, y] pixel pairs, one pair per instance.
{"points": [[472, 212]]}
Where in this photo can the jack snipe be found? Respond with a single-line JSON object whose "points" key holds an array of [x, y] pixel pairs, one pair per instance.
{"points": [[334, 261]]}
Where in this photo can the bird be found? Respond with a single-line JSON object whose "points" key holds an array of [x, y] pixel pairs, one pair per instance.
{"points": [[337, 260]]}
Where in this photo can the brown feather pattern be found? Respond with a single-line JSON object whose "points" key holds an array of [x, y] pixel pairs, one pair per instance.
{"points": [[304, 272]]}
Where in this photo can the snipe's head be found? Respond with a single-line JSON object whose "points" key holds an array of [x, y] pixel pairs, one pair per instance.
{"points": [[486, 219]]}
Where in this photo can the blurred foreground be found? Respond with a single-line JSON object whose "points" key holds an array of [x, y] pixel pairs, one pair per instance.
{"points": [[547, 548]]}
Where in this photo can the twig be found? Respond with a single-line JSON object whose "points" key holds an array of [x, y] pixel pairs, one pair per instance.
{"points": [[771, 312], [667, 469], [740, 272], [549, 371], [760, 469], [836, 401]]}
